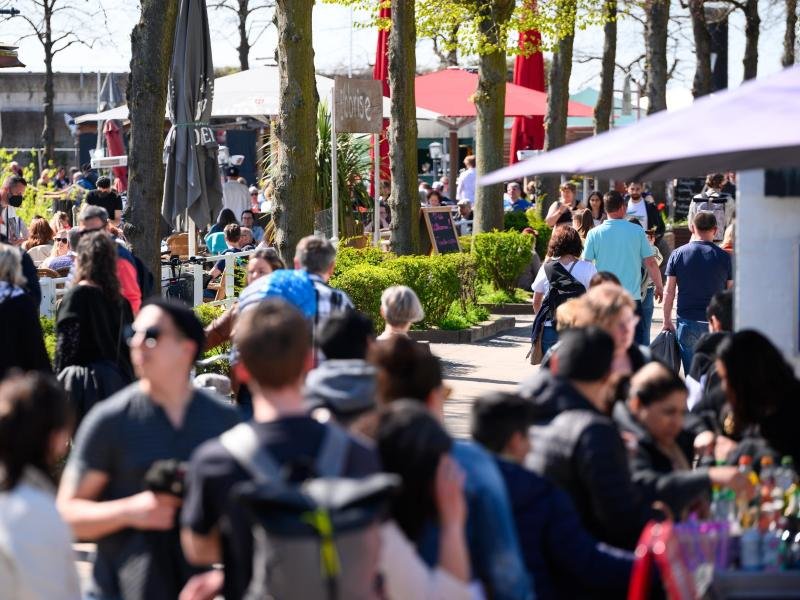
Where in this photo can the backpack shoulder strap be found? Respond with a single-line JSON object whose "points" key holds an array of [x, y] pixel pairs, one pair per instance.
{"points": [[243, 444], [332, 452]]}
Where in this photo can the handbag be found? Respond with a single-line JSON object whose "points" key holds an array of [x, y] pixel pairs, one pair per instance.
{"points": [[535, 353], [665, 349]]}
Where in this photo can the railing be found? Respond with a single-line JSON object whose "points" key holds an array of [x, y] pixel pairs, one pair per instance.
{"points": [[194, 267]]}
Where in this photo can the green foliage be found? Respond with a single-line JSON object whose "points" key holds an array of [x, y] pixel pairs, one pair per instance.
{"points": [[459, 318], [501, 257], [515, 221], [347, 258], [364, 283], [206, 314], [49, 332], [543, 231], [434, 278], [488, 295]]}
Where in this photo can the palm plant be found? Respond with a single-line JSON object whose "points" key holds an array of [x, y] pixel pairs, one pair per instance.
{"points": [[353, 164]]}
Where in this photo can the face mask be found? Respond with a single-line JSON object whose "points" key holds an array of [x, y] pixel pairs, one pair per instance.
{"points": [[15, 201]]}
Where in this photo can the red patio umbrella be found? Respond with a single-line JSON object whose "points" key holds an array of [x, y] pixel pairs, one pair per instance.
{"points": [[527, 133], [381, 73], [449, 93], [116, 147]]}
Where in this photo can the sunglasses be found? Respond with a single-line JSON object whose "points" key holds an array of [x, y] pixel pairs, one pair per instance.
{"points": [[150, 335], [61, 240]]}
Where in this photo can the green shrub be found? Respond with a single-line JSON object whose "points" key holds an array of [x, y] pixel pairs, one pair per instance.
{"points": [[434, 278], [466, 243], [206, 314], [458, 318], [49, 332], [347, 258], [364, 283], [515, 221], [542, 229], [501, 257]]}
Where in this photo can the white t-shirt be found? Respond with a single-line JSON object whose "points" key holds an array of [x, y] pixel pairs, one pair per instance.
{"points": [[466, 186], [583, 271], [638, 210], [235, 196]]}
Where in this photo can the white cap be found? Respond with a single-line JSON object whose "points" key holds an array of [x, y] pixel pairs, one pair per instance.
{"points": [[438, 185], [253, 189]]}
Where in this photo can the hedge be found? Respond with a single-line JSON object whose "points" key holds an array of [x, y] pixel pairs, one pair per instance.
{"points": [[364, 283], [543, 231], [501, 257]]}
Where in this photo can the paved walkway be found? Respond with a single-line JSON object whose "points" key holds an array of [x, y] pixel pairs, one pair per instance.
{"points": [[495, 364]]}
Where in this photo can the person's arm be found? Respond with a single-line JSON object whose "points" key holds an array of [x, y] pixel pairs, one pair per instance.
{"points": [[603, 470], [537, 302], [449, 489], [651, 264], [554, 213], [201, 550], [576, 553], [129, 284], [669, 300], [219, 330]]}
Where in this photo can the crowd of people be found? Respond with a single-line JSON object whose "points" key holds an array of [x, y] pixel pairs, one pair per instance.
{"points": [[323, 468]]}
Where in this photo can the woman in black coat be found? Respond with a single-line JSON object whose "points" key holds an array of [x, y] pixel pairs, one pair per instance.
{"points": [[662, 462], [21, 339]]}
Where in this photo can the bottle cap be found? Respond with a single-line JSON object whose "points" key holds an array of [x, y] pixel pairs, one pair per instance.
{"points": [[787, 460], [745, 459], [767, 461]]}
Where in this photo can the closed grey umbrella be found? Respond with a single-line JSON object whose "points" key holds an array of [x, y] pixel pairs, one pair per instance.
{"points": [[192, 181]]}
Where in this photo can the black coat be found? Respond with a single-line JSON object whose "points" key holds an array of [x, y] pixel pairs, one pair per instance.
{"points": [[653, 472], [581, 450], [21, 338]]}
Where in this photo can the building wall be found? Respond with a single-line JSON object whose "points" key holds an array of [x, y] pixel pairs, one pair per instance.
{"points": [[767, 292], [21, 105]]}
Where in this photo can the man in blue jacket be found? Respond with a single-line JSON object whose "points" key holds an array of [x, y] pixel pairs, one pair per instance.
{"points": [[563, 559]]}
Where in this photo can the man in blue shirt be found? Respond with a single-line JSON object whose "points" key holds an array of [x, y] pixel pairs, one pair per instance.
{"points": [[698, 270], [621, 248]]}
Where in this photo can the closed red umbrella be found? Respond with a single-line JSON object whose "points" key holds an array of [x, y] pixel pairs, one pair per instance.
{"points": [[381, 73], [527, 133], [116, 147]]}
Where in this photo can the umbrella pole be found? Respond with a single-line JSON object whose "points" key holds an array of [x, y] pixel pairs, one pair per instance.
{"points": [[376, 206], [453, 151], [334, 173], [192, 234]]}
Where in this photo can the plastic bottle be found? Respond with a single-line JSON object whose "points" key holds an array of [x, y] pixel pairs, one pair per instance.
{"points": [[771, 558], [785, 476], [750, 545]]}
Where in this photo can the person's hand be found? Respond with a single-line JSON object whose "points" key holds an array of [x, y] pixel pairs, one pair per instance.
{"points": [[723, 447], [704, 443], [204, 586], [449, 489], [658, 294], [147, 510], [731, 477], [668, 325]]}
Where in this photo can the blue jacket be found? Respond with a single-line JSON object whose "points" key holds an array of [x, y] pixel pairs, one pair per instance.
{"points": [[491, 536], [562, 558]]}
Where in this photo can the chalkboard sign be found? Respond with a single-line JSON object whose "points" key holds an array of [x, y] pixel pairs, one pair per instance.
{"points": [[441, 229]]}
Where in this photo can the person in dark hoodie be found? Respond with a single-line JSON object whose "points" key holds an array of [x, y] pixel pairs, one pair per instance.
{"points": [[564, 560], [577, 443], [662, 462]]}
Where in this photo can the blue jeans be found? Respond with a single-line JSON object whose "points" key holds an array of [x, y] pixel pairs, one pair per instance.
{"points": [[549, 338], [645, 318], [688, 333]]}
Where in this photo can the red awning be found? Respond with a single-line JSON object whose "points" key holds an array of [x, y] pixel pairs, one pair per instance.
{"points": [[448, 93]]}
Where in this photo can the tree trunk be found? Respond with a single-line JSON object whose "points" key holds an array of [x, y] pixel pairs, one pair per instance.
{"points": [[702, 84], [244, 43], [605, 100], [790, 35], [555, 121], [751, 33], [656, 23], [151, 53], [296, 127], [48, 132], [404, 199]]}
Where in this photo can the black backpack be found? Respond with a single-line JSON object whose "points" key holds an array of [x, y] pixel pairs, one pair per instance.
{"points": [[563, 286]]}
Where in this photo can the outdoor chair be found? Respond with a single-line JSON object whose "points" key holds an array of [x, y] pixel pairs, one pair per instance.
{"points": [[44, 272], [178, 244]]}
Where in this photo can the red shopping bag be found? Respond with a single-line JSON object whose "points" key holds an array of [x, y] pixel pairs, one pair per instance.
{"points": [[658, 546]]}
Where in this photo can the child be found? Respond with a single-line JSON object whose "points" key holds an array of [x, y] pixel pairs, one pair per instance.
{"points": [[563, 559]]}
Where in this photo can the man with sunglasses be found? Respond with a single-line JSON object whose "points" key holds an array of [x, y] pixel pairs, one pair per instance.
{"points": [[103, 495], [95, 218]]}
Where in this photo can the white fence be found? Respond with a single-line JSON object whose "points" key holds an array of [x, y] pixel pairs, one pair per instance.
{"points": [[53, 288]]}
